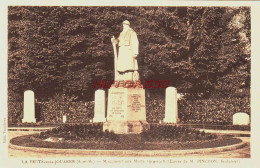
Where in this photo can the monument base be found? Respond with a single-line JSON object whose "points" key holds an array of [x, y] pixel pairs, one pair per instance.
{"points": [[126, 112], [126, 127], [25, 120]]}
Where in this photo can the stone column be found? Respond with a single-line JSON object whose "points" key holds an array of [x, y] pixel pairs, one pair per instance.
{"points": [[29, 107], [99, 111], [241, 119], [64, 118], [171, 107]]}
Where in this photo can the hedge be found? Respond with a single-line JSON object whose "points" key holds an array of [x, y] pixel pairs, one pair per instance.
{"points": [[155, 108], [15, 112], [76, 112], [210, 111], [51, 112]]}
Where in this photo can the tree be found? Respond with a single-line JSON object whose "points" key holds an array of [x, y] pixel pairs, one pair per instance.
{"points": [[64, 49]]}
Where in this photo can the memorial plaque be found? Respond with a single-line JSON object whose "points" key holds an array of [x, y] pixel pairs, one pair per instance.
{"points": [[136, 105], [116, 104]]}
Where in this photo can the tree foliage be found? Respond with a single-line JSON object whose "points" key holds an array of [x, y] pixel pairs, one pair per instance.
{"points": [[64, 49]]}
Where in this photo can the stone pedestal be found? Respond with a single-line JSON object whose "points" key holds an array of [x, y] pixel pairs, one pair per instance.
{"points": [[64, 118], [241, 119], [29, 107], [126, 112], [171, 106], [99, 109]]}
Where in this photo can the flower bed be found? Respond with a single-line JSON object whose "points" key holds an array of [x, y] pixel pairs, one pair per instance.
{"points": [[90, 132], [90, 136], [166, 132]]}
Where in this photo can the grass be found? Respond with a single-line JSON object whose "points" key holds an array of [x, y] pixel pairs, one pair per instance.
{"points": [[91, 136]]}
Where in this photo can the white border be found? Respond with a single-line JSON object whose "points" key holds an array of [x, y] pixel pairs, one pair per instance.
{"points": [[127, 3], [253, 162]]}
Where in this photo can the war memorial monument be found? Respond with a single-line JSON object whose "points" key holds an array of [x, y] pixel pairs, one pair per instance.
{"points": [[126, 106]]}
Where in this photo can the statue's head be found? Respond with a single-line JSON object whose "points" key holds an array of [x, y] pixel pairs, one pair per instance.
{"points": [[126, 24]]}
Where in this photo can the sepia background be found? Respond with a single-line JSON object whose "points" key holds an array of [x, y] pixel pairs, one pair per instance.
{"points": [[255, 81]]}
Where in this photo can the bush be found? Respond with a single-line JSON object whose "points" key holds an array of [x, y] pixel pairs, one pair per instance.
{"points": [[200, 111], [212, 111], [155, 108], [209, 111], [51, 112], [15, 112], [76, 112], [174, 133], [92, 132]]}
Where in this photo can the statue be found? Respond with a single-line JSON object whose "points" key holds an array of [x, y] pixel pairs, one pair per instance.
{"points": [[126, 63], [126, 108]]}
